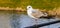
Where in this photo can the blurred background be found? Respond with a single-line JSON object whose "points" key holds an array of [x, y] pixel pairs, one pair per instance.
{"points": [[41, 4]]}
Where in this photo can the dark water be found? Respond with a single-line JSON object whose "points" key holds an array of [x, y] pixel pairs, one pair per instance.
{"points": [[13, 19]]}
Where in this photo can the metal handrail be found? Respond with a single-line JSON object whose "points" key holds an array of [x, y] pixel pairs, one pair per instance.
{"points": [[44, 24]]}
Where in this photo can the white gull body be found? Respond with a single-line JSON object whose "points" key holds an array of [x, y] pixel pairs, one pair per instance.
{"points": [[34, 13]]}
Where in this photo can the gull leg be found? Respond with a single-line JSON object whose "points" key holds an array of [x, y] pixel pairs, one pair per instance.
{"points": [[36, 22]]}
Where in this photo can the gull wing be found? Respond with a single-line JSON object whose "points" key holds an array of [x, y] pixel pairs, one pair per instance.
{"points": [[36, 13]]}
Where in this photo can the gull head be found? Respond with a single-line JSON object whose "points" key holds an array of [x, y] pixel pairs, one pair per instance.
{"points": [[29, 7]]}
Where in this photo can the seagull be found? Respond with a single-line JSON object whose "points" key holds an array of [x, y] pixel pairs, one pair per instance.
{"points": [[35, 13]]}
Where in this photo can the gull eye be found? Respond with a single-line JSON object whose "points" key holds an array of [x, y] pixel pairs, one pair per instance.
{"points": [[29, 7]]}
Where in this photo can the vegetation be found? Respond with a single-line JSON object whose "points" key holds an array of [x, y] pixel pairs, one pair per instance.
{"points": [[41, 4]]}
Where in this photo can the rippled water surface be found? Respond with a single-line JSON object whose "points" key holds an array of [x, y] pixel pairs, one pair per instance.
{"points": [[13, 19]]}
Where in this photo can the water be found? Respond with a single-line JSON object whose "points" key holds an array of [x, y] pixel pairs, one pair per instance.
{"points": [[12, 19], [5, 19]]}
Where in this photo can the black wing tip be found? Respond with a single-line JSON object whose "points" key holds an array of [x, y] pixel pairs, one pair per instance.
{"points": [[48, 17]]}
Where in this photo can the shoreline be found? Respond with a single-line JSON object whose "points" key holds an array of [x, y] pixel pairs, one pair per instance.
{"points": [[55, 11]]}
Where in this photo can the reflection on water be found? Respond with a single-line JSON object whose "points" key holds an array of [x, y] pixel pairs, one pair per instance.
{"points": [[12, 19]]}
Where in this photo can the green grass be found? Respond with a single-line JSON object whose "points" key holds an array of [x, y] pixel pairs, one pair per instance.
{"points": [[41, 4]]}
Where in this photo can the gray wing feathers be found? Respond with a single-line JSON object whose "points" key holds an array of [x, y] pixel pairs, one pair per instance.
{"points": [[37, 13]]}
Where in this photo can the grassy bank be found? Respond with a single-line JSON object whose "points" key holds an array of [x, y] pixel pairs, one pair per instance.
{"points": [[48, 5], [41, 4]]}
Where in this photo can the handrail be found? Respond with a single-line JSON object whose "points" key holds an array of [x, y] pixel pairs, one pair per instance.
{"points": [[44, 24]]}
